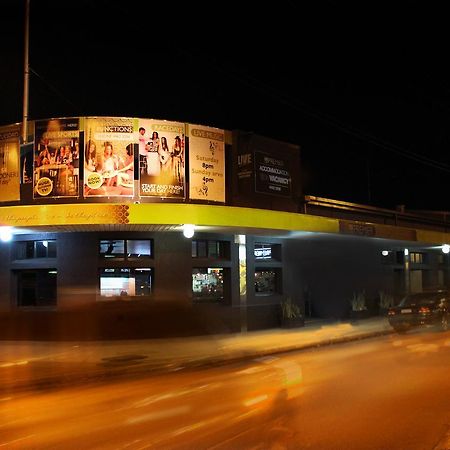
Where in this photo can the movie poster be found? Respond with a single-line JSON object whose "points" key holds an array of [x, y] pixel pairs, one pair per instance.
{"points": [[206, 163], [161, 159], [109, 157], [9, 164], [56, 158]]}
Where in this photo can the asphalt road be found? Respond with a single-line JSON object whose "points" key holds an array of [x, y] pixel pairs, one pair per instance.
{"points": [[389, 392]]}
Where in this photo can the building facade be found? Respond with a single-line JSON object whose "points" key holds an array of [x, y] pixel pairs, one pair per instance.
{"points": [[98, 209]]}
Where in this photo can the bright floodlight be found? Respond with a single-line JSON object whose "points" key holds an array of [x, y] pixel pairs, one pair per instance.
{"points": [[188, 230], [5, 234], [445, 248], [385, 253]]}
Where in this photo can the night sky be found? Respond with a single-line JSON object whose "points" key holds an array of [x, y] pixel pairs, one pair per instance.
{"points": [[368, 103]]}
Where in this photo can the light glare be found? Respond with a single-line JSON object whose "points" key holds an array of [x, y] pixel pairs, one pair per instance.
{"points": [[5, 234], [188, 230]]}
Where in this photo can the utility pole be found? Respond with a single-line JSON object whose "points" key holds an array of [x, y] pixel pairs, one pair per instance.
{"points": [[26, 74]]}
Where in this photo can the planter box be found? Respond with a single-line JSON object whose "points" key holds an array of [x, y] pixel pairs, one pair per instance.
{"points": [[296, 322], [356, 315]]}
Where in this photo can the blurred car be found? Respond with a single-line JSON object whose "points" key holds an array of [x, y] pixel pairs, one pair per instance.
{"points": [[421, 309]]}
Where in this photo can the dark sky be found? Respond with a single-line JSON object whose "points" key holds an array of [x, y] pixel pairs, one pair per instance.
{"points": [[365, 97]]}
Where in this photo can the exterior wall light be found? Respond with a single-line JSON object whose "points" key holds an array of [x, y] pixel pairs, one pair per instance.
{"points": [[6, 234], [406, 252], [385, 253], [188, 230], [445, 248]]}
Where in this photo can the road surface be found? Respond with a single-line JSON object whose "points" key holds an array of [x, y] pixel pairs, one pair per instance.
{"points": [[389, 392]]}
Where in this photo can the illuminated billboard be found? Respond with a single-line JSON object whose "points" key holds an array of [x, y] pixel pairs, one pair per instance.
{"points": [[109, 157], [206, 163], [161, 159], [9, 164], [56, 158], [272, 174]]}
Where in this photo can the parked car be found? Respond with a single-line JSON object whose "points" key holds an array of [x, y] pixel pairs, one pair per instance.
{"points": [[421, 309]]}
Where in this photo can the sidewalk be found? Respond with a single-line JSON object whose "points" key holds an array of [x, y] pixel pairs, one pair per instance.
{"points": [[33, 364]]}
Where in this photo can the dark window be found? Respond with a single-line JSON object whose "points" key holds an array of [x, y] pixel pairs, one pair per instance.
{"points": [[121, 283], [267, 281], [201, 249], [207, 284], [213, 249], [210, 249], [37, 288], [35, 249], [41, 249]]}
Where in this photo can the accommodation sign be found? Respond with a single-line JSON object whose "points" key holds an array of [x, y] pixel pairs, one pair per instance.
{"points": [[272, 175]]}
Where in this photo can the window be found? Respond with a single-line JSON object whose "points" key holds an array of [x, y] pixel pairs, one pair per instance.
{"points": [[416, 258], [267, 281], [207, 284], [130, 249], [264, 251], [35, 249], [37, 288], [138, 249], [125, 283], [210, 249]]}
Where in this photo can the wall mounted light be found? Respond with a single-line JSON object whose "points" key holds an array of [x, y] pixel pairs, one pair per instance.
{"points": [[6, 234], [188, 230], [385, 253], [406, 252], [445, 248]]}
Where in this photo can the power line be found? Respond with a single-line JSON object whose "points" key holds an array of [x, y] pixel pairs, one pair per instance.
{"points": [[54, 89], [302, 107]]}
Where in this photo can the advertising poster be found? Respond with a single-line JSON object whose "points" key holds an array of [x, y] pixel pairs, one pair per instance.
{"points": [[161, 158], [272, 175], [9, 164], [56, 158], [206, 163], [109, 157]]}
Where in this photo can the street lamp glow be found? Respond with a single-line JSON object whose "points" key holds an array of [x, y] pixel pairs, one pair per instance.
{"points": [[445, 248], [188, 230]]}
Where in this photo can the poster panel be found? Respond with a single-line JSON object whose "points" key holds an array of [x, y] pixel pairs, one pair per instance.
{"points": [[161, 159], [56, 158], [109, 156], [272, 175], [206, 163], [9, 163]]}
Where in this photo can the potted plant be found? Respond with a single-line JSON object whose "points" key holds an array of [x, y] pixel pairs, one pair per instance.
{"points": [[386, 301], [291, 314], [358, 305]]}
